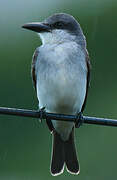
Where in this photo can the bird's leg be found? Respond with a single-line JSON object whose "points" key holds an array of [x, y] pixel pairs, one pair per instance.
{"points": [[41, 111], [79, 120]]}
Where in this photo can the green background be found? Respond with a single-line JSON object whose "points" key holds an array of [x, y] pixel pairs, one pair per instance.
{"points": [[25, 144]]}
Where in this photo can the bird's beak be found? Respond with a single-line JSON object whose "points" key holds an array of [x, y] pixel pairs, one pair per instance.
{"points": [[37, 27]]}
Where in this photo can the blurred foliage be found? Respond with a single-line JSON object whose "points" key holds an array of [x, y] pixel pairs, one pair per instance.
{"points": [[25, 144]]}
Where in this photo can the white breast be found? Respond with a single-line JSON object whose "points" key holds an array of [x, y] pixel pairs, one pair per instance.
{"points": [[61, 85]]}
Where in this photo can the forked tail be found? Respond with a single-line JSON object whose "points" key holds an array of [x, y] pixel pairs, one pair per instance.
{"points": [[64, 152]]}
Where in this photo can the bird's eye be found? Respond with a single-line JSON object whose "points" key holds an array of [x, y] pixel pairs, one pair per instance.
{"points": [[58, 24]]}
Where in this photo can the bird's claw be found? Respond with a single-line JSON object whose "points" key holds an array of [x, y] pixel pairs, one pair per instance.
{"points": [[79, 120], [41, 111]]}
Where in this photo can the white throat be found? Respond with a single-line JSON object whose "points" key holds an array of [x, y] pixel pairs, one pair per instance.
{"points": [[47, 38], [55, 36]]}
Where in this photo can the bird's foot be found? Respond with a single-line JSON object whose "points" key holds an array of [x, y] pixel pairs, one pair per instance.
{"points": [[79, 120], [41, 111]]}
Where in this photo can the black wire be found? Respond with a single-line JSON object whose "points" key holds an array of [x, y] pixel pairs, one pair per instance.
{"points": [[59, 117]]}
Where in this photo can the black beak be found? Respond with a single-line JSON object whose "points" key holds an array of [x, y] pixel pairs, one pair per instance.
{"points": [[37, 27]]}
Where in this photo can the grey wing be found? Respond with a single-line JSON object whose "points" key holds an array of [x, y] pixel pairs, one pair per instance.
{"points": [[34, 78], [88, 79], [33, 68]]}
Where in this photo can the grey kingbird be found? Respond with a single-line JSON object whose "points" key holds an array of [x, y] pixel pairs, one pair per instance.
{"points": [[60, 72]]}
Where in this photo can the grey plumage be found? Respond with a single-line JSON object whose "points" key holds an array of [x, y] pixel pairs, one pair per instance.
{"points": [[60, 72]]}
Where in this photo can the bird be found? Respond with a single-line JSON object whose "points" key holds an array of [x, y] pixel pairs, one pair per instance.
{"points": [[61, 75]]}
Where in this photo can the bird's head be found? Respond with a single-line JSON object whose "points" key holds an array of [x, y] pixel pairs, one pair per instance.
{"points": [[58, 28]]}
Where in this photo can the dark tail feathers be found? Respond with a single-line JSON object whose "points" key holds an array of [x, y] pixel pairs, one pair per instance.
{"points": [[64, 152]]}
